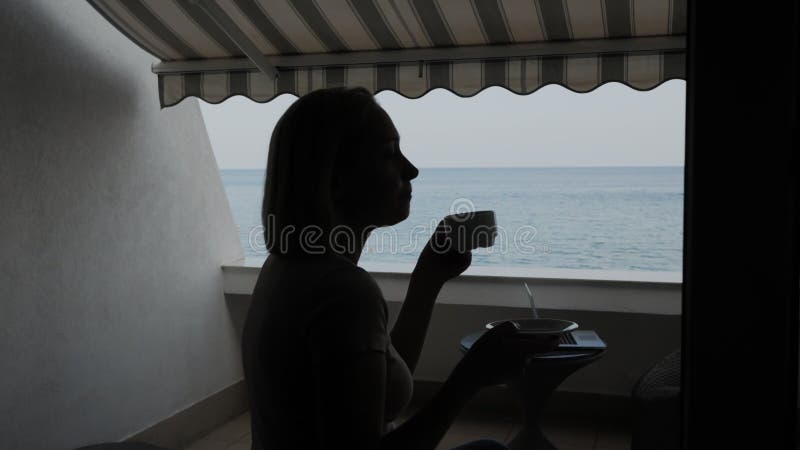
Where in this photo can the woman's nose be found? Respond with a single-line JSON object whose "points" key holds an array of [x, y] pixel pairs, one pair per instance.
{"points": [[410, 171]]}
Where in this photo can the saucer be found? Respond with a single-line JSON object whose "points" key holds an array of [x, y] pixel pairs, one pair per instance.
{"points": [[539, 326]]}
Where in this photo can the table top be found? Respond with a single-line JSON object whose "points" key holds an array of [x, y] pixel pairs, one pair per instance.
{"points": [[565, 354]]}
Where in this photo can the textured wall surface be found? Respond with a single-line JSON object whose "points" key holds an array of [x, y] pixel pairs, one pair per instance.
{"points": [[113, 227]]}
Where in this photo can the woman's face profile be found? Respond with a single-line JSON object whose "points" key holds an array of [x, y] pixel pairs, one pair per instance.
{"points": [[376, 188]]}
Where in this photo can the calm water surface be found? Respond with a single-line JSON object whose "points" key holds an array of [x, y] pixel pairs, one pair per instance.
{"points": [[611, 218]]}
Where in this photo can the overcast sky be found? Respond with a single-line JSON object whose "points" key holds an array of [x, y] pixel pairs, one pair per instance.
{"points": [[612, 126]]}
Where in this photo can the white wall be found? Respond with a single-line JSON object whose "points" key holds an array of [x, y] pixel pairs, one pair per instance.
{"points": [[113, 227]]}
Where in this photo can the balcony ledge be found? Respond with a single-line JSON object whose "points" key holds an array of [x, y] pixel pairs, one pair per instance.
{"points": [[562, 289]]}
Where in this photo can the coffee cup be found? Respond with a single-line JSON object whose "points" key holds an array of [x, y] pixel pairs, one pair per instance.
{"points": [[471, 230]]}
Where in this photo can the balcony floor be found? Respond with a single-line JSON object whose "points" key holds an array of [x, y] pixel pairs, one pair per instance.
{"points": [[566, 434]]}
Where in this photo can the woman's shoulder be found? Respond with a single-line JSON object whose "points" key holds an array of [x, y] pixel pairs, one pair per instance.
{"points": [[348, 278], [349, 286], [348, 312], [324, 275]]}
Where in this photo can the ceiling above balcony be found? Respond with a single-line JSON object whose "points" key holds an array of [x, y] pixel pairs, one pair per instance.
{"points": [[214, 49]]}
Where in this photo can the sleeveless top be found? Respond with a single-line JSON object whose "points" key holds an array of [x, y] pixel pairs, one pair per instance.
{"points": [[321, 303]]}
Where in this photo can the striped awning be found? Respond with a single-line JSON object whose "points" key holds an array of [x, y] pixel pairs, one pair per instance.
{"points": [[214, 49]]}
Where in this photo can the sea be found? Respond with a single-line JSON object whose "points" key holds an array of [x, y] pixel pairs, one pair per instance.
{"points": [[593, 218]]}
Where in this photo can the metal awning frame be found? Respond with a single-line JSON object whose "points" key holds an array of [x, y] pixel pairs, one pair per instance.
{"points": [[269, 64], [254, 56]]}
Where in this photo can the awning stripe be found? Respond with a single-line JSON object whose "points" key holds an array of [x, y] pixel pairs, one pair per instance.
{"points": [[247, 26], [432, 23], [374, 22], [344, 19], [296, 30], [262, 22], [554, 20], [678, 14], [582, 73], [462, 22], [133, 30], [238, 83], [494, 73], [612, 67], [552, 68], [439, 76], [519, 75], [407, 23], [409, 46], [334, 77], [171, 16], [207, 24], [357, 76], [151, 22], [586, 18], [492, 22], [568, 19], [386, 77], [215, 86], [286, 81], [314, 26], [522, 19], [193, 85], [307, 10], [674, 65], [650, 17], [161, 89], [618, 18]]}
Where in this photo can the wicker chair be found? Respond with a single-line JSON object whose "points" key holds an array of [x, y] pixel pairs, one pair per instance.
{"points": [[657, 406]]}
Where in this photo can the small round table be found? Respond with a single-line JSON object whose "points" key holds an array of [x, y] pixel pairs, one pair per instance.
{"points": [[542, 374]]}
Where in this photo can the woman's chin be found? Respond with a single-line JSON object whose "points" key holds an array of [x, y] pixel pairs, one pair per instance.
{"points": [[405, 210], [400, 214]]}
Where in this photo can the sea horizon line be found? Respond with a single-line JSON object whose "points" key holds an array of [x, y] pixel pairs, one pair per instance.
{"points": [[665, 166]]}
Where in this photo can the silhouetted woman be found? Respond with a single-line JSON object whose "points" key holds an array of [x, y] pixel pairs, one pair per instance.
{"points": [[321, 367]]}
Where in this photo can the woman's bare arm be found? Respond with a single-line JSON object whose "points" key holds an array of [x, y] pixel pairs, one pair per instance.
{"points": [[438, 262], [411, 326]]}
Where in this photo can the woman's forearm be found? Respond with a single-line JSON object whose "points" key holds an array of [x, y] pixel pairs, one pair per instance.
{"points": [[412, 322], [425, 429]]}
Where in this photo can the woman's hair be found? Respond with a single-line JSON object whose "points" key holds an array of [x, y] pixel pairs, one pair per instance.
{"points": [[318, 133]]}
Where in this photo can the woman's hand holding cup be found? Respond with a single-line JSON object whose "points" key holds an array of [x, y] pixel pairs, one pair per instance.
{"points": [[440, 260], [448, 252]]}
